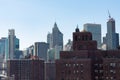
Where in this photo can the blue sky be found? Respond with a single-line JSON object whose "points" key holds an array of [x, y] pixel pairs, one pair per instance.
{"points": [[33, 19]]}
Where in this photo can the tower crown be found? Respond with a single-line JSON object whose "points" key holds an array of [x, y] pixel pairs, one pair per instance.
{"points": [[83, 41], [77, 29]]}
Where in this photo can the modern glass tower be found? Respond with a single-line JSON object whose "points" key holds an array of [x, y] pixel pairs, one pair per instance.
{"points": [[112, 38], [95, 29]]}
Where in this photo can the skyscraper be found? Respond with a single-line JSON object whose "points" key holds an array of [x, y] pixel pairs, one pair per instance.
{"points": [[112, 38], [95, 29], [13, 43], [55, 41], [57, 37]]}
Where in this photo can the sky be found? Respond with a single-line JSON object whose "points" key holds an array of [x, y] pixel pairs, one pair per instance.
{"points": [[33, 19]]}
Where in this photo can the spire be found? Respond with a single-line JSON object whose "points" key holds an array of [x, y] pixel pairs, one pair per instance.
{"points": [[55, 28], [109, 14], [110, 18], [55, 25], [77, 29]]}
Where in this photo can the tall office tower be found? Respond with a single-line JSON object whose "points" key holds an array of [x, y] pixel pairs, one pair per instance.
{"points": [[95, 29], [11, 43], [26, 69], [55, 41], [57, 37], [49, 40], [40, 49], [86, 62], [112, 38]]}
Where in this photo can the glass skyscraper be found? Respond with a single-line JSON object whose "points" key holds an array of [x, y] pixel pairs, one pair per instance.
{"points": [[95, 29], [112, 38]]}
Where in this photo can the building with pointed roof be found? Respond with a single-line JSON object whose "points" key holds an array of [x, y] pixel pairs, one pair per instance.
{"points": [[57, 36], [112, 38]]}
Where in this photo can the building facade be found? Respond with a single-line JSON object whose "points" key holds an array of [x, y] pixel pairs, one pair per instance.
{"points": [[95, 29], [68, 46], [50, 71], [2, 46], [86, 62], [26, 69], [49, 40], [51, 55]]}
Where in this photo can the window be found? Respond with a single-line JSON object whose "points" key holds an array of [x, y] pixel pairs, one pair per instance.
{"points": [[112, 71], [112, 64], [75, 38], [62, 79], [69, 65], [79, 38], [106, 77], [96, 71], [96, 77], [66, 65]]}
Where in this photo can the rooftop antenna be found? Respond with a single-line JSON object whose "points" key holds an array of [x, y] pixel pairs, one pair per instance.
{"points": [[109, 14], [77, 25]]}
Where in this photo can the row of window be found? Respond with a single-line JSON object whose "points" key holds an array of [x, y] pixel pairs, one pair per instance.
{"points": [[77, 78], [69, 65], [73, 72]]}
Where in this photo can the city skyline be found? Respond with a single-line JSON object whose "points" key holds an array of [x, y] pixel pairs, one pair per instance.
{"points": [[32, 20]]}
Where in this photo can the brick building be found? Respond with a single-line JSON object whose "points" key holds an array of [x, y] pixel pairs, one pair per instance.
{"points": [[86, 62], [26, 69]]}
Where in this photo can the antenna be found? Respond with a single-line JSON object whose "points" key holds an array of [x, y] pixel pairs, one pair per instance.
{"points": [[77, 25], [109, 14]]}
